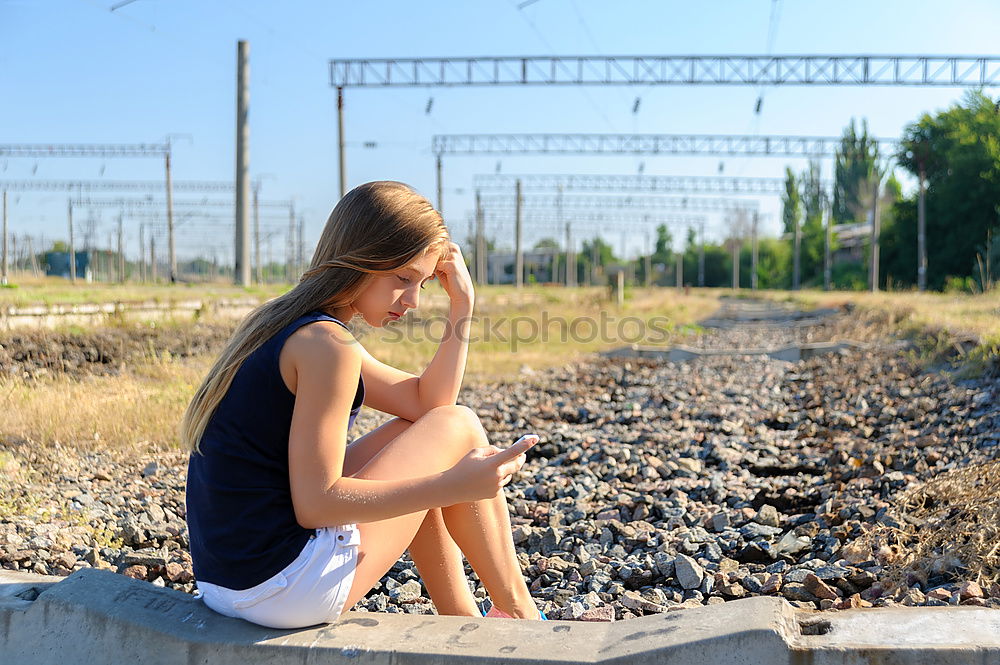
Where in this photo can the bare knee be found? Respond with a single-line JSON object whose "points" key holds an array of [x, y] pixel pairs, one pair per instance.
{"points": [[458, 423]]}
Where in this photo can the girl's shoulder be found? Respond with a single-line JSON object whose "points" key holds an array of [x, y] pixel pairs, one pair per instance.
{"points": [[323, 337]]}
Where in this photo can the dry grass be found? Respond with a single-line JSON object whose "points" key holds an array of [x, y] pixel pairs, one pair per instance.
{"points": [[542, 327], [956, 313], [960, 330], [138, 410], [56, 290], [949, 526]]}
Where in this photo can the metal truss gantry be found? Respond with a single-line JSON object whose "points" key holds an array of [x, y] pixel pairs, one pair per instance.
{"points": [[148, 203], [84, 149], [975, 71], [114, 185], [667, 184], [894, 70], [498, 216], [607, 202], [105, 150], [640, 144]]}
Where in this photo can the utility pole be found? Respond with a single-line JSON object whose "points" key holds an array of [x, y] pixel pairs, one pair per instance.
{"points": [[796, 257], [3, 273], [736, 264], [241, 258], [340, 140], [679, 271], [595, 257], [518, 255], [256, 230], [72, 246], [922, 232], [648, 264], [701, 255], [121, 255], [301, 254], [440, 189], [481, 258], [753, 252], [570, 258], [152, 255], [876, 232], [142, 253], [170, 220], [828, 249], [31, 253], [290, 245]]}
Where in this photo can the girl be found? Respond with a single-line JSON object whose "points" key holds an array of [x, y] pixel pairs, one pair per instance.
{"points": [[288, 525]]}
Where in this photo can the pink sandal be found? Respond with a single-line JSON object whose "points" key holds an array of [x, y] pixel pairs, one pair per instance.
{"points": [[497, 613]]}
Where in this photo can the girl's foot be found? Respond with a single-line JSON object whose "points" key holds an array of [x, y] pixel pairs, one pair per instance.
{"points": [[496, 613]]}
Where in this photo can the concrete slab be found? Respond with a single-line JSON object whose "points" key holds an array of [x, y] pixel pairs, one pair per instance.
{"points": [[99, 617], [904, 635]]}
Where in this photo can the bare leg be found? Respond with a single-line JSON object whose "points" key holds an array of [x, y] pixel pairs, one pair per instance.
{"points": [[439, 562], [435, 442], [437, 557]]}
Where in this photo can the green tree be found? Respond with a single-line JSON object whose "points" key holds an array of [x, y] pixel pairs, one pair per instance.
{"points": [[547, 243], [791, 202], [813, 232], [854, 170], [585, 259], [959, 150], [663, 252], [774, 264]]}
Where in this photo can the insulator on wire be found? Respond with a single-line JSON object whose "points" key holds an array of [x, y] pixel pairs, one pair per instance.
{"points": [[635, 106], [760, 102], [430, 105]]}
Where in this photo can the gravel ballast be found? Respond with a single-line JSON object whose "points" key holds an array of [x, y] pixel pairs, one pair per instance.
{"points": [[656, 486]]}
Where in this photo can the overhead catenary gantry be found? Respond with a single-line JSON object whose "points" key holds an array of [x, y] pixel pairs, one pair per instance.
{"points": [[971, 71], [134, 204], [213, 186], [640, 144], [666, 184], [590, 219], [890, 70], [609, 202], [104, 150], [661, 144]]}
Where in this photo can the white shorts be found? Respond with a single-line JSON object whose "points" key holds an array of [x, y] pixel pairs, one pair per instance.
{"points": [[312, 589]]}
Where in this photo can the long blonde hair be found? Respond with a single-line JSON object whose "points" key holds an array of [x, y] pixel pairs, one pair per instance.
{"points": [[375, 229]]}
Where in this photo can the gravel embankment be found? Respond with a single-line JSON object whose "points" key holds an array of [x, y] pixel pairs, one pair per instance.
{"points": [[656, 485]]}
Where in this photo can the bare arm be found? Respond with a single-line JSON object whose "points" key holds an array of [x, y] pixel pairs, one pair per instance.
{"points": [[326, 361], [409, 396]]}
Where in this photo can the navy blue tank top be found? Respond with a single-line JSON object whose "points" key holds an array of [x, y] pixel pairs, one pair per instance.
{"points": [[241, 523]]}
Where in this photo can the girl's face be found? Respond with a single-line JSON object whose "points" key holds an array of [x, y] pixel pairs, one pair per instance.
{"points": [[388, 297]]}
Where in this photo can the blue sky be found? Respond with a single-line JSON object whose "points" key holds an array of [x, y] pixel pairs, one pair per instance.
{"points": [[74, 71]]}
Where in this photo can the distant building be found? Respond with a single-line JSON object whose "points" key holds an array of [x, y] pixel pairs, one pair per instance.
{"points": [[851, 241], [57, 265]]}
